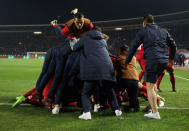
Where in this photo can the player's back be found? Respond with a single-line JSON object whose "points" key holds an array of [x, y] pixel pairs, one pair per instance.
{"points": [[155, 44]]}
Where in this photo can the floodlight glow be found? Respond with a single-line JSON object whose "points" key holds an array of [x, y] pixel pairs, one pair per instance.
{"points": [[118, 28], [37, 32]]}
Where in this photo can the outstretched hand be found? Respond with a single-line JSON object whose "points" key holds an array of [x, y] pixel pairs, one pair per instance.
{"points": [[53, 22], [73, 42]]}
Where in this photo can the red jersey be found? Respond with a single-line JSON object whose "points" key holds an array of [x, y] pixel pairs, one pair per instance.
{"points": [[70, 30], [140, 52]]}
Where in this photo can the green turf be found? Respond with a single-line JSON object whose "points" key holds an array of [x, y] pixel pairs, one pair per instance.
{"points": [[18, 76]]}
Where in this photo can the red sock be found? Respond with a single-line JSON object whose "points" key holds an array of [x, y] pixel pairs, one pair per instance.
{"points": [[159, 79], [29, 92], [172, 79], [144, 83], [145, 95], [144, 88], [158, 99]]}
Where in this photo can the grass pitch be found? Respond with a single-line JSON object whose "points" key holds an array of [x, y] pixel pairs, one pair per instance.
{"points": [[18, 76]]}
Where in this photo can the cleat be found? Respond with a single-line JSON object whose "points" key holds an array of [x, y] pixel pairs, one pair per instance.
{"points": [[161, 103], [163, 99], [19, 100]]}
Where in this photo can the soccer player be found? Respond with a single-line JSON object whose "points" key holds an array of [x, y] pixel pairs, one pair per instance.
{"points": [[141, 61], [54, 63], [170, 70], [55, 60], [45, 75], [143, 93], [76, 27], [156, 42]]}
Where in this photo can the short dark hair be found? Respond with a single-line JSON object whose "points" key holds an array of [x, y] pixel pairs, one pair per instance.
{"points": [[79, 15], [148, 18], [124, 48]]}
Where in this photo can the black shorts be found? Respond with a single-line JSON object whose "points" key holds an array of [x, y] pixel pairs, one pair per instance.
{"points": [[131, 86], [153, 71]]}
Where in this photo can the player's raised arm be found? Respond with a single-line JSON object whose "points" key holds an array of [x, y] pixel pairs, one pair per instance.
{"points": [[134, 45]]}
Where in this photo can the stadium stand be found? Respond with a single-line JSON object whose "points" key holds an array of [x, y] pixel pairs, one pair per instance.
{"points": [[20, 39]]}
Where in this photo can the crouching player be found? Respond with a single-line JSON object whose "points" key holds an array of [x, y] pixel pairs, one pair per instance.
{"points": [[128, 78]]}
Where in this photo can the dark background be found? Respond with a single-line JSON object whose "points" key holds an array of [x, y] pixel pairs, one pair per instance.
{"points": [[43, 11]]}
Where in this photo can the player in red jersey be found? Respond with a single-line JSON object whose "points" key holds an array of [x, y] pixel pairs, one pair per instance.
{"points": [[141, 61], [76, 27], [170, 70]]}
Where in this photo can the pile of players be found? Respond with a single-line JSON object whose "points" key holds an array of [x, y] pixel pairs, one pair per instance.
{"points": [[81, 70]]}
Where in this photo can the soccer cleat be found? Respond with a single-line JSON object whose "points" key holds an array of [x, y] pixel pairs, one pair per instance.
{"points": [[153, 115], [17, 97], [56, 110], [118, 112], [174, 90], [85, 116], [161, 103], [96, 108], [19, 100], [163, 99]]}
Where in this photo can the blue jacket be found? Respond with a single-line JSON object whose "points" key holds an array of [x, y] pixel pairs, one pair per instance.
{"points": [[95, 63], [156, 42]]}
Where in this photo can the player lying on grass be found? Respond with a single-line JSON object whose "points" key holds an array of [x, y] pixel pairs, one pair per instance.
{"points": [[73, 28], [143, 93], [53, 67]]}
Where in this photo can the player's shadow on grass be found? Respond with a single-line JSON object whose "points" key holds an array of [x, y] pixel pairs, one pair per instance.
{"points": [[105, 113]]}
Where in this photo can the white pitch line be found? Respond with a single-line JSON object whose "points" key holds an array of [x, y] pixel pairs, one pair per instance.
{"points": [[10, 104], [179, 77], [182, 78], [169, 108]]}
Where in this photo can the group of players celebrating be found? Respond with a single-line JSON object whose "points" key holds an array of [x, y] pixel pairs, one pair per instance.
{"points": [[81, 71]]}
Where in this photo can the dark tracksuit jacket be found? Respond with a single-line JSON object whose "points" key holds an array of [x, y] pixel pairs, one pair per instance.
{"points": [[95, 66], [156, 42]]}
